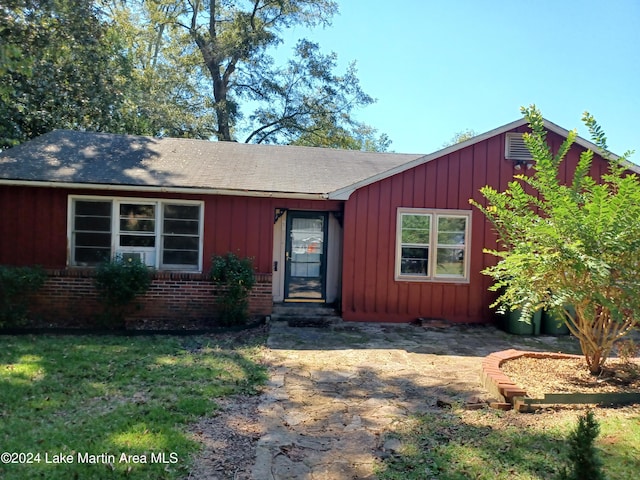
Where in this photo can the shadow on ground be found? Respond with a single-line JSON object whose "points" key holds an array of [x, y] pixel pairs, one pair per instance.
{"points": [[334, 392]]}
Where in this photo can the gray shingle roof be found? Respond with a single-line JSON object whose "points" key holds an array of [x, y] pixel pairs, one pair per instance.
{"points": [[71, 157]]}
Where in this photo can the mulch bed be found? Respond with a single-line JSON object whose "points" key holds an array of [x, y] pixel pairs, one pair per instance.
{"points": [[548, 375]]}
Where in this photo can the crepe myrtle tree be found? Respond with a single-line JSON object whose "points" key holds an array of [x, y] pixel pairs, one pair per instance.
{"points": [[569, 245]]}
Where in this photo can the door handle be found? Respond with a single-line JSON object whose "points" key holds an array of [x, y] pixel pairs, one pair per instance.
{"points": [[287, 257]]}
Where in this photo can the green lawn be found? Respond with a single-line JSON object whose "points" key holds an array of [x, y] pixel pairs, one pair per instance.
{"points": [[494, 445], [99, 407]]}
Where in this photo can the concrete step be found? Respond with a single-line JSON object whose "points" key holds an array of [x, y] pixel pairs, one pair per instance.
{"points": [[305, 314]]}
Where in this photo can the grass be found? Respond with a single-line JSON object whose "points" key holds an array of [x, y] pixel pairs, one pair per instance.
{"points": [[114, 401], [488, 445]]}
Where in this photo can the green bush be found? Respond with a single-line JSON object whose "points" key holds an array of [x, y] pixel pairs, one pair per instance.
{"points": [[235, 276], [583, 454], [119, 282], [16, 283]]}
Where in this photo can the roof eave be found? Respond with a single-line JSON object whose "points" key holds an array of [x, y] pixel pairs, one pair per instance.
{"points": [[164, 189], [591, 146]]}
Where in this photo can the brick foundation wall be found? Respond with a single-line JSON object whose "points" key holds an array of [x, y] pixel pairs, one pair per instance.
{"points": [[69, 298]]}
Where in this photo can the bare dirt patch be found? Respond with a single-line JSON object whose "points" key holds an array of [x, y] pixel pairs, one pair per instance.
{"points": [[549, 375], [229, 440]]}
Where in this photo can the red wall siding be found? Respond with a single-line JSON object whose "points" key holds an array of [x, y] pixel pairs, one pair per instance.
{"points": [[370, 292], [33, 224]]}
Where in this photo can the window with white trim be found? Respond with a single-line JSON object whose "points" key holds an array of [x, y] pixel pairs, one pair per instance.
{"points": [[432, 245], [165, 234]]}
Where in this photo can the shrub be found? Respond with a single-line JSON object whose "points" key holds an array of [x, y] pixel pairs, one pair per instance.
{"points": [[16, 283], [235, 276], [583, 455], [574, 243], [119, 282]]}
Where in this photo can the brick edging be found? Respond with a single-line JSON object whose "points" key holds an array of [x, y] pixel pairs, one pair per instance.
{"points": [[499, 384]]}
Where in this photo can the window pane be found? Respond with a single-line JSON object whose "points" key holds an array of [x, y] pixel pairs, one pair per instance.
{"points": [[137, 218], [137, 241], [91, 256], [93, 240], [93, 208], [451, 238], [450, 262], [134, 210], [135, 225], [181, 243], [416, 228], [180, 257], [182, 212], [451, 230], [91, 235], [93, 224], [414, 261], [181, 235], [181, 227]]}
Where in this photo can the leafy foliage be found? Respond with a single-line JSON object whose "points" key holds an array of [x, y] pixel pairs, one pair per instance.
{"points": [[175, 68], [459, 137], [307, 99], [221, 50], [583, 455], [235, 276], [576, 244], [53, 60], [164, 97], [119, 282], [16, 283]]}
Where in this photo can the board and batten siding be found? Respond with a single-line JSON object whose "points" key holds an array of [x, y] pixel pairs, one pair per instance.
{"points": [[33, 225], [369, 289]]}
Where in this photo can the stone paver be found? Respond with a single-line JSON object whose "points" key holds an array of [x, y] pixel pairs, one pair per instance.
{"points": [[333, 392]]}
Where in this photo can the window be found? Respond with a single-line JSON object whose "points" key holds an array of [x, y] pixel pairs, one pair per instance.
{"points": [[164, 234], [91, 232], [432, 245], [180, 235]]}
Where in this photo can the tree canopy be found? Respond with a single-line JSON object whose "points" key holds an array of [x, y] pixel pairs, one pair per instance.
{"points": [[571, 247], [60, 67], [180, 68], [459, 137]]}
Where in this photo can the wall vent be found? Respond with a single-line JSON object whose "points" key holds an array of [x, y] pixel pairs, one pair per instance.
{"points": [[515, 149]]}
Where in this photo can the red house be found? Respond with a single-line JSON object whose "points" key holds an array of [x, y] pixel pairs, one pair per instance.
{"points": [[387, 237]]}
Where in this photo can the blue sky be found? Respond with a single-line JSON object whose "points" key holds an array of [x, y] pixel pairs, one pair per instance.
{"points": [[439, 67]]}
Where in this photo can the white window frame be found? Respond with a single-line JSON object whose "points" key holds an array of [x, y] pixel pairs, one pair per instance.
{"points": [[149, 255], [431, 275], [159, 204]]}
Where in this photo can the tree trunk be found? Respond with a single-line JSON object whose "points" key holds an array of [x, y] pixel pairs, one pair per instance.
{"points": [[220, 81], [222, 109], [597, 334], [594, 357]]}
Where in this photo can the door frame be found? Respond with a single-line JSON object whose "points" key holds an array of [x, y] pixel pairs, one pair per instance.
{"points": [[291, 214]]}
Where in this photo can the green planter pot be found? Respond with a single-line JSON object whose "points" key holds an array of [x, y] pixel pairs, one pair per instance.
{"points": [[554, 324], [512, 323]]}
